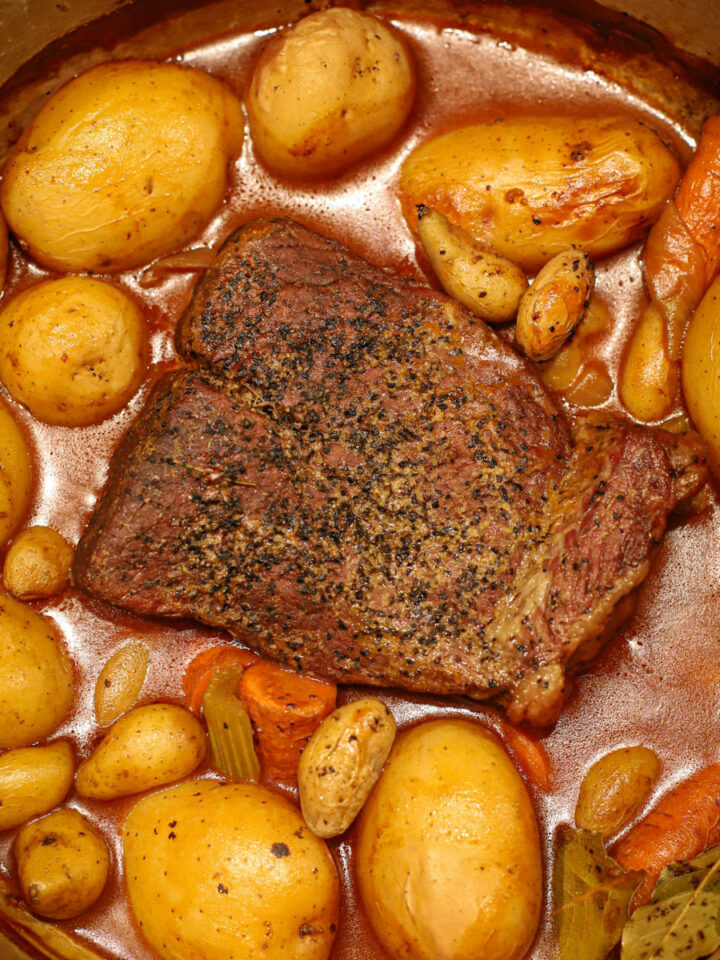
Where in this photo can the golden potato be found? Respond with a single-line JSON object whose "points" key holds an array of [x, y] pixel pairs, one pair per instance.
{"points": [[615, 789], [37, 564], [15, 475], [120, 681], [341, 764], [448, 858], [529, 188], [62, 864], [336, 87], [73, 350], [4, 252], [701, 372], [124, 164], [212, 866], [148, 747], [36, 676], [33, 780], [489, 285]]}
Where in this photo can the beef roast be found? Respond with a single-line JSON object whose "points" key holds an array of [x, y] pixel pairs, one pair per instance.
{"points": [[355, 476]]}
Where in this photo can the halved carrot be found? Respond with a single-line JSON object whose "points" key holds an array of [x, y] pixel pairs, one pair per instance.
{"points": [[529, 754], [685, 822], [203, 668], [285, 709]]}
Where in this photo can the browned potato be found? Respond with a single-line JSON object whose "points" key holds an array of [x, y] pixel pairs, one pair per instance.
{"points": [[529, 188], [701, 372], [72, 350], [341, 764], [124, 164], [120, 682], [448, 857], [36, 676], [148, 747], [334, 88], [489, 285], [615, 789], [4, 252], [33, 780], [37, 564], [555, 304], [15, 475], [216, 870], [62, 864]]}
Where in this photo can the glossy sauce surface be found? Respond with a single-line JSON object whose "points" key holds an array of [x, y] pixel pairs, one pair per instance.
{"points": [[657, 683]]}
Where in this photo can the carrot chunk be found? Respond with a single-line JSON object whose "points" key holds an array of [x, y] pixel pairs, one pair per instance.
{"points": [[285, 709], [529, 754], [685, 822], [203, 668]]}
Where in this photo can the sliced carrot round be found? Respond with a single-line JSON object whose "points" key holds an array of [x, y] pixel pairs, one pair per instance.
{"points": [[205, 665]]}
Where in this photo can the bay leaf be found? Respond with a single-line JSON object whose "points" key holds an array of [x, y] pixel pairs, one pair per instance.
{"points": [[682, 919], [592, 895]]}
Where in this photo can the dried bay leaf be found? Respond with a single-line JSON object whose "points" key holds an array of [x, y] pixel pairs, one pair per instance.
{"points": [[683, 918], [592, 896]]}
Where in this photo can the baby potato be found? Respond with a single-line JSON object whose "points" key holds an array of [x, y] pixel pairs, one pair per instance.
{"points": [[120, 682], [125, 163], [216, 868], [62, 864], [36, 676], [37, 564], [33, 780], [341, 764], [73, 350], [701, 372], [148, 747], [4, 251], [336, 87], [615, 789], [489, 285], [448, 858], [15, 475], [529, 188]]}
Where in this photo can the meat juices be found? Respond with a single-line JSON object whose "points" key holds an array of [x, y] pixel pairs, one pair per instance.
{"points": [[360, 479]]}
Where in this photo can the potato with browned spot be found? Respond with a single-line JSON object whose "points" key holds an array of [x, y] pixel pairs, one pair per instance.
{"points": [[334, 88], [37, 564], [530, 187], [216, 870], [125, 163], [62, 864], [448, 858], [33, 780], [148, 747], [15, 475], [36, 676], [73, 350]]}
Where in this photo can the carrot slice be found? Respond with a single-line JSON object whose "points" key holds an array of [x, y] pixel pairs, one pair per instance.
{"points": [[685, 822], [203, 668], [698, 198], [285, 709], [529, 754]]}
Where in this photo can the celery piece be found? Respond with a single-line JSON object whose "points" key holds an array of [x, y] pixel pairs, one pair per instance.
{"points": [[229, 726]]}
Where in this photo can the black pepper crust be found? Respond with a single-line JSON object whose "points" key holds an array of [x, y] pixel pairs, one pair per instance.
{"points": [[360, 480]]}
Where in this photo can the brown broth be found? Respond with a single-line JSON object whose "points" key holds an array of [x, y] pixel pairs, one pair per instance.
{"points": [[657, 683]]}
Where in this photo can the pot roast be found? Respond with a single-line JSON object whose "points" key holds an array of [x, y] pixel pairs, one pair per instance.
{"points": [[355, 476]]}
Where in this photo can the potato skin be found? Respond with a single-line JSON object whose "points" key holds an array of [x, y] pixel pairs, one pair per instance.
{"points": [[37, 564], [125, 163], [15, 475], [120, 682], [148, 747], [701, 373], [615, 789], [62, 864], [74, 350], [36, 676], [530, 188], [33, 780], [336, 87], [246, 853], [448, 858]]}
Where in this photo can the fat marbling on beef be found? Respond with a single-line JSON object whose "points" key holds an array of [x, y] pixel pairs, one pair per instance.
{"points": [[355, 476]]}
